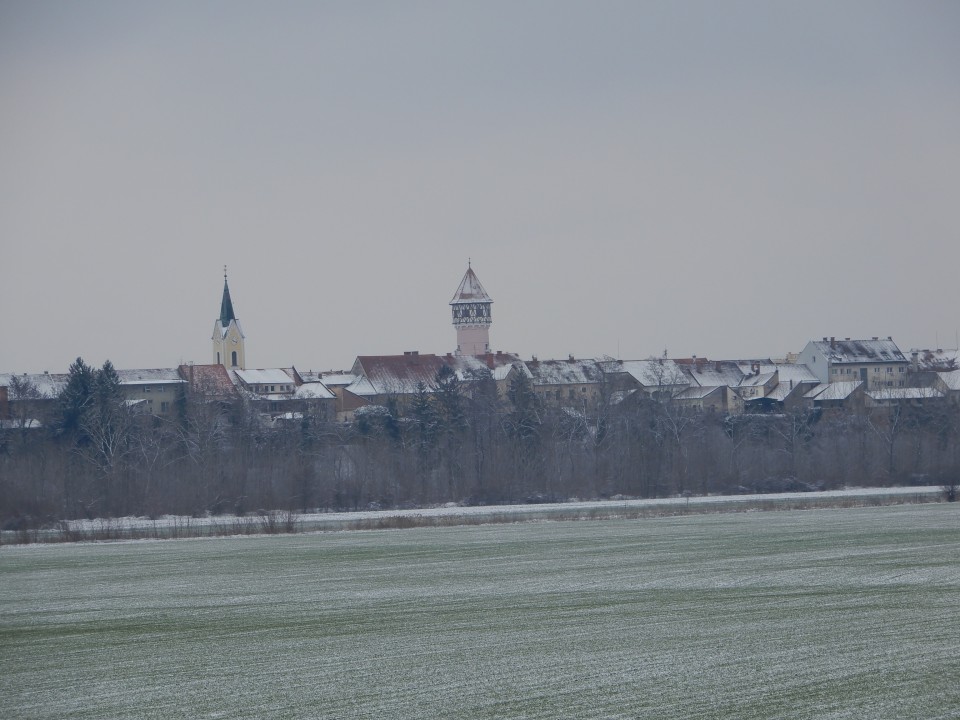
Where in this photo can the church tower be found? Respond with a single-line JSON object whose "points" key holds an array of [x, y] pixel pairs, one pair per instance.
{"points": [[227, 336], [471, 315]]}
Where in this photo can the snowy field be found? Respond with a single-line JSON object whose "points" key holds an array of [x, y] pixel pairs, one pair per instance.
{"points": [[825, 613], [452, 514]]}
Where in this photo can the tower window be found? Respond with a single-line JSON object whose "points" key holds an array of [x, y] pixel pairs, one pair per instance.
{"points": [[233, 358]]}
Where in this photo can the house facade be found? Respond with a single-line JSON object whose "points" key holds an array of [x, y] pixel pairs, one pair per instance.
{"points": [[877, 363]]}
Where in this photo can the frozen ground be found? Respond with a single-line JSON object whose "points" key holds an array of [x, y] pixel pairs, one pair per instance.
{"points": [[453, 514], [825, 613]]}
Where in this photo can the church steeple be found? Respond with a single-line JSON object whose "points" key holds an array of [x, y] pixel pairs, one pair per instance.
{"points": [[228, 338], [472, 315], [226, 305]]}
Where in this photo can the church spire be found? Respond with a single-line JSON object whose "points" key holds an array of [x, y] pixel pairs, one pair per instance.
{"points": [[228, 338], [226, 306]]}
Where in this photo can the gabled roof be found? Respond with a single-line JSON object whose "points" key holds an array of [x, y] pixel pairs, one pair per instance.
{"points": [[270, 376], [859, 351], [47, 384], [658, 372], [698, 393], [314, 391], [936, 360], [155, 376], [712, 373], [755, 379], [834, 391], [401, 374], [791, 372], [336, 378], [209, 380], [564, 372], [470, 290], [950, 379]]}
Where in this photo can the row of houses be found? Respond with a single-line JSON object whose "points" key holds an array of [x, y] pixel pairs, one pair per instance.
{"points": [[830, 372]]}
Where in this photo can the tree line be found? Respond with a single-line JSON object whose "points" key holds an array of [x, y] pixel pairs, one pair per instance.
{"points": [[458, 440]]}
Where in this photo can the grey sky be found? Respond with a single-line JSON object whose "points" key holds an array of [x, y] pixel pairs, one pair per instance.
{"points": [[721, 179]]}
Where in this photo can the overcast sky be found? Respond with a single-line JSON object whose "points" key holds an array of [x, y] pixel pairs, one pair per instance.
{"points": [[723, 179]]}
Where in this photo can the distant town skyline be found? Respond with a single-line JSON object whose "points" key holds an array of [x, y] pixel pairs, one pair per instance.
{"points": [[725, 180]]}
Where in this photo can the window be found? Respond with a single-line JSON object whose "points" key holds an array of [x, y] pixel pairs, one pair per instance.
{"points": [[900, 368], [233, 358], [164, 407], [889, 370]]}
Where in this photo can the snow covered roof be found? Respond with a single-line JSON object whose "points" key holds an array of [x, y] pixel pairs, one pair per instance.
{"points": [[649, 373], [754, 379], [951, 379], [904, 393], [564, 372], [155, 376], [783, 390], [698, 393], [859, 351], [313, 391], [936, 360], [335, 378], [47, 384], [361, 387], [401, 374], [833, 391], [797, 373], [270, 376], [712, 373], [470, 290]]}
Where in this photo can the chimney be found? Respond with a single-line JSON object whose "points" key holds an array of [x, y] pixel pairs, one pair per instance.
{"points": [[570, 358], [833, 342]]}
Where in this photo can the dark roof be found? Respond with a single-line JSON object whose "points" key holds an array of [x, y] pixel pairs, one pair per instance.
{"points": [[565, 372], [470, 290], [860, 351], [209, 380], [226, 305], [399, 374]]}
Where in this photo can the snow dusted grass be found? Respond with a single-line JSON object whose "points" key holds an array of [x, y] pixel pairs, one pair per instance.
{"points": [[281, 521], [825, 613]]}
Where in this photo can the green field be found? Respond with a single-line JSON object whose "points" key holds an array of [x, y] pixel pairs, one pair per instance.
{"points": [[846, 613]]}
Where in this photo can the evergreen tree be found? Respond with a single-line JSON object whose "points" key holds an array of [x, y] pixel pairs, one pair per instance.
{"points": [[76, 398]]}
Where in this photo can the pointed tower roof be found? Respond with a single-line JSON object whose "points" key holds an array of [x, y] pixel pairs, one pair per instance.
{"points": [[470, 289], [226, 306]]}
